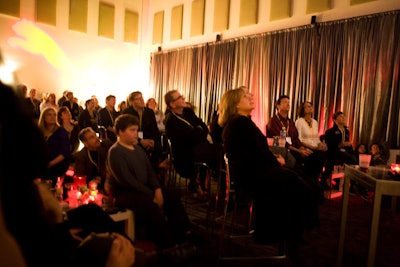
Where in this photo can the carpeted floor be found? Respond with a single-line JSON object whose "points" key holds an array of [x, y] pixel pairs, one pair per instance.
{"points": [[320, 246]]}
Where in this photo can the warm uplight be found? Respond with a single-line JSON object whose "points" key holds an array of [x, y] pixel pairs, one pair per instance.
{"points": [[395, 168], [54, 62], [36, 41], [7, 72]]}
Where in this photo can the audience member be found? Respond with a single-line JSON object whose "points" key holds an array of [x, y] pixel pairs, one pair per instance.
{"points": [[376, 156], [122, 106], [57, 144], [340, 148], [97, 107], [44, 239], [309, 162], [134, 184], [62, 99], [190, 139], [22, 90], [149, 135], [49, 101], [284, 204], [76, 100], [106, 117], [361, 149], [65, 120], [90, 161], [307, 127], [152, 104], [88, 117], [33, 104], [72, 106]]}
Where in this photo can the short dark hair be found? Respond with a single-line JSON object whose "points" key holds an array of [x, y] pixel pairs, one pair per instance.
{"points": [[82, 133], [109, 97], [169, 98], [278, 102], [337, 114], [124, 121]]}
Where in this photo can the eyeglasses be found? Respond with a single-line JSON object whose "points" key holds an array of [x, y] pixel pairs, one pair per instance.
{"points": [[179, 97]]}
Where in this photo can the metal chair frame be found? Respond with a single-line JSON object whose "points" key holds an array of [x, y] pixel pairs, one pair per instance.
{"points": [[231, 193]]}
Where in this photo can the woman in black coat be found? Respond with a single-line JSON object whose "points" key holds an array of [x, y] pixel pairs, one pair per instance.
{"points": [[284, 204]]}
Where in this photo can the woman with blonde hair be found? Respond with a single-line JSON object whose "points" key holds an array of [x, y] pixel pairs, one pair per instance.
{"points": [[284, 204], [58, 145], [49, 101]]}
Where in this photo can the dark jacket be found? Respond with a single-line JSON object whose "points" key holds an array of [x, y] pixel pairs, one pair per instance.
{"points": [[333, 139], [185, 131], [95, 165]]}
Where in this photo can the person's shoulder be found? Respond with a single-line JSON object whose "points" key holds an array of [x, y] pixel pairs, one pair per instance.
{"points": [[189, 111], [331, 130], [129, 110], [237, 119], [272, 119], [80, 154], [61, 130], [148, 110]]}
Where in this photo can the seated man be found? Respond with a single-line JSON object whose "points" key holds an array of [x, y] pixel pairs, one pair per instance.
{"points": [[309, 163], [134, 184], [90, 161], [340, 148], [189, 137], [106, 117], [149, 135]]}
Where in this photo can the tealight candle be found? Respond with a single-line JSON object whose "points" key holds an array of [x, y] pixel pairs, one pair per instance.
{"points": [[395, 168]]}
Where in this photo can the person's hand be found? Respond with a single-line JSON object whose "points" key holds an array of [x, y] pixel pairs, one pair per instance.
{"points": [[122, 252], [158, 198], [322, 146], [280, 159], [305, 152], [147, 143]]}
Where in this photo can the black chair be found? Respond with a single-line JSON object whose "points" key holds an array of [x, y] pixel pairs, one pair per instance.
{"points": [[235, 198]]}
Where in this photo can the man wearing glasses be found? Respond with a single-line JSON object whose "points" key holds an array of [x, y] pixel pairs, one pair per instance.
{"points": [[190, 139]]}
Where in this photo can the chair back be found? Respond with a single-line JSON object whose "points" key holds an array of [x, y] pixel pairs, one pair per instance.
{"points": [[229, 187]]}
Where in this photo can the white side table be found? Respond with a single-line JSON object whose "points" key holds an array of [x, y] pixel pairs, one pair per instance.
{"points": [[129, 220]]}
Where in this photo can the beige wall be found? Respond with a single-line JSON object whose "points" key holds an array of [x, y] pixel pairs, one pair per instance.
{"points": [[339, 9], [102, 66]]}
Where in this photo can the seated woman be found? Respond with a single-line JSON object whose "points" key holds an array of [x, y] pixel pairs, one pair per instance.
{"points": [[376, 156], [57, 145], [64, 119], [283, 203]]}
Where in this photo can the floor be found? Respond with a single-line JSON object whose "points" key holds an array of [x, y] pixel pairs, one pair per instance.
{"points": [[320, 246]]}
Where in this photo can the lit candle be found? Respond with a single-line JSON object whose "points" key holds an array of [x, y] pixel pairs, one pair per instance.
{"points": [[395, 168]]}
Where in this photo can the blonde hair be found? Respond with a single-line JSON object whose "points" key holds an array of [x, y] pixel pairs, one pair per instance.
{"points": [[42, 123], [228, 104]]}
